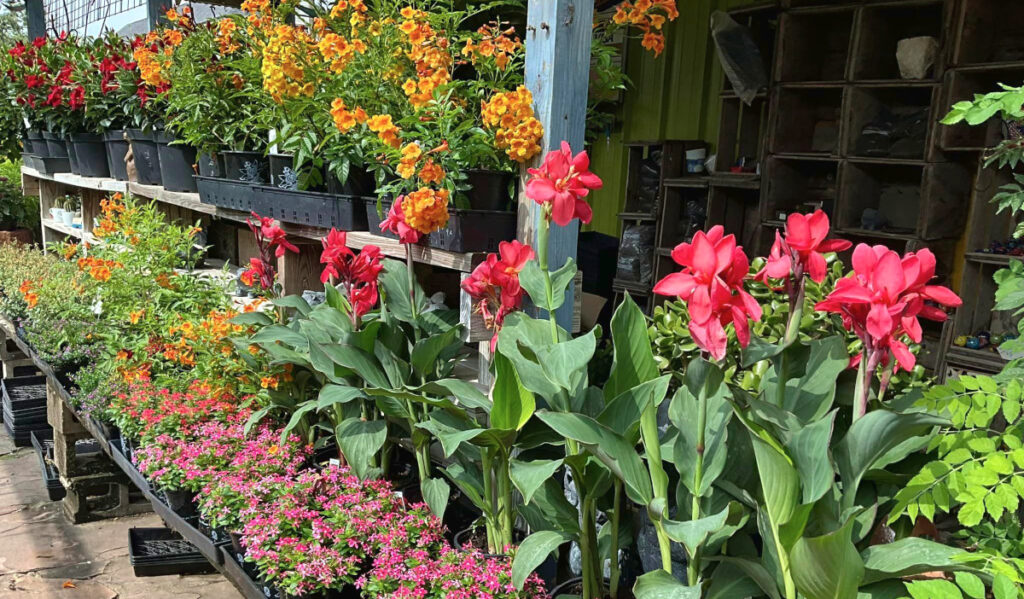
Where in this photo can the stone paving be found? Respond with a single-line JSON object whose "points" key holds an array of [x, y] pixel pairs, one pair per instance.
{"points": [[43, 556]]}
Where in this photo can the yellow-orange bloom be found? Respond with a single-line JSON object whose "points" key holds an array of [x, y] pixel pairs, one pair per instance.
{"points": [[426, 210]]}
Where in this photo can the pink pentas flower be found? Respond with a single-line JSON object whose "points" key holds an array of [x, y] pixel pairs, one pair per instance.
{"points": [[711, 285], [882, 300], [396, 225], [562, 181], [802, 249]]}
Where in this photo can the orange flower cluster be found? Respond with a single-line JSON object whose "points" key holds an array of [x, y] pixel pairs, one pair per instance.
{"points": [[150, 69], [358, 8], [345, 119], [27, 290], [412, 155], [259, 15], [501, 44], [517, 131], [226, 30], [649, 16], [283, 74], [112, 209], [98, 268], [386, 130], [338, 51], [429, 52], [426, 210]]}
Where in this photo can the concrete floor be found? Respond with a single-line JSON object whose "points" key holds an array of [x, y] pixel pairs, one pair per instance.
{"points": [[43, 556]]}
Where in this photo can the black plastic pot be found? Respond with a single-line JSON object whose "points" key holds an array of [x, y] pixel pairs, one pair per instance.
{"points": [[279, 164], [72, 157], [490, 190], [176, 164], [312, 208], [181, 502], [234, 195], [51, 477], [474, 231], [37, 145], [249, 167], [91, 154], [55, 145], [360, 182], [161, 552], [210, 165], [147, 157], [51, 166], [31, 160], [116, 147]]}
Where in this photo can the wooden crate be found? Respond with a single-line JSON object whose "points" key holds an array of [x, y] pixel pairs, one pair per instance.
{"points": [[673, 224], [990, 32], [985, 225], [792, 184], [762, 21], [807, 120], [880, 29], [964, 84], [867, 104], [815, 44], [648, 164], [741, 132], [737, 209]]}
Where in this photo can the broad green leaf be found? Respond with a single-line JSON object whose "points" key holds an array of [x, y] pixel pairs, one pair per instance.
{"points": [[513, 404], [394, 281], [633, 361], [1004, 588], [780, 482], [933, 589], [532, 552], [532, 280], [426, 351], [622, 413], [703, 388], [693, 533], [809, 448], [357, 360], [827, 566], [529, 475], [467, 394], [970, 584], [908, 557], [730, 582], [756, 571], [518, 340], [335, 394], [564, 364], [295, 302], [360, 441], [435, 494], [549, 509], [659, 584], [449, 431], [252, 318]]}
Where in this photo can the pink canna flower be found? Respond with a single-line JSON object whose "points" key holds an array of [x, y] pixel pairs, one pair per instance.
{"points": [[883, 299], [494, 284], [711, 284], [396, 225], [356, 274], [562, 181], [801, 250]]}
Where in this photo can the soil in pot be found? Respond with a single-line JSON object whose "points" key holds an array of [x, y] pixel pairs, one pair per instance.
{"points": [[210, 165], [176, 164], [146, 155], [91, 153], [490, 190], [250, 167], [116, 147], [72, 157], [55, 146]]}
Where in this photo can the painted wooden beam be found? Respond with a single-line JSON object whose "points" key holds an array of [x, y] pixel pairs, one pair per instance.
{"points": [[35, 14], [558, 36], [156, 12]]}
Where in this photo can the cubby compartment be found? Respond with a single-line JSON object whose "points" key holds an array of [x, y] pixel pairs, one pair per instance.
{"points": [[991, 32], [762, 22], [880, 31], [807, 121], [799, 185], [685, 212], [889, 122], [648, 165], [986, 226], [815, 45], [737, 209], [741, 135], [964, 84]]}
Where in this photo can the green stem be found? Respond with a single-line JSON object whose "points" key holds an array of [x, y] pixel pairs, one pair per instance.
{"points": [[659, 479], [787, 575], [796, 314], [693, 565], [542, 259], [613, 586], [504, 503], [411, 274], [490, 524]]}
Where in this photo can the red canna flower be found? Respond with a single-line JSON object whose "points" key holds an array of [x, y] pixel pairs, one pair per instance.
{"points": [[396, 225], [883, 299], [356, 273], [802, 249], [260, 272], [494, 284], [562, 181], [272, 235], [711, 284]]}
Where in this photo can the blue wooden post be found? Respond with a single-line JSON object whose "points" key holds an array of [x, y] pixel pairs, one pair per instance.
{"points": [[36, 17], [558, 36]]}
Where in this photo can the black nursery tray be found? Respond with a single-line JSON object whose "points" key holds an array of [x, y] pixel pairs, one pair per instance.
{"points": [[161, 552], [51, 478], [203, 543], [467, 230], [29, 391], [23, 436], [234, 572], [225, 193], [312, 208]]}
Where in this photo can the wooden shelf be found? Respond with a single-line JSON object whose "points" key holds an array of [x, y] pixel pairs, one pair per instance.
{"points": [[990, 258], [737, 180], [984, 359], [75, 232], [698, 182], [637, 216], [94, 183], [857, 232], [631, 286], [176, 198]]}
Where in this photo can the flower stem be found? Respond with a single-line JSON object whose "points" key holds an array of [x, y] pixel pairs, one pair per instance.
{"points": [[659, 479], [542, 259], [613, 586], [411, 274], [693, 565]]}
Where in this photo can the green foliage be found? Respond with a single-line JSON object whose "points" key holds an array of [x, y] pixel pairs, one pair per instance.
{"points": [[16, 209], [1009, 104], [979, 471]]}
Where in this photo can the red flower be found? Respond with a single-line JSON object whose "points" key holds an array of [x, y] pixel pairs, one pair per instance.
{"points": [[55, 97], [396, 225], [76, 99], [356, 273], [711, 284], [267, 232], [494, 284], [884, 298], [258, 271], [562, 181], [802, 248], [17, 50], [33, 81], [39, 42]]}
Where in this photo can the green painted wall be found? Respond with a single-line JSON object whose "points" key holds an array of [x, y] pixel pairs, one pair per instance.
{"points": [[674, 96]]}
